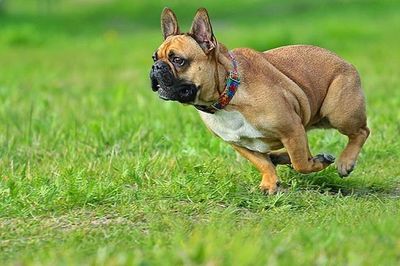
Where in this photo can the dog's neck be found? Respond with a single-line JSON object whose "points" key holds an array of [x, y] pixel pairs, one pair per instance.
{"points": [[226, 81], [223, 67]]}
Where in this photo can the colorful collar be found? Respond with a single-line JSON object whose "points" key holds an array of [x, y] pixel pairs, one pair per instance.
{"points": [[232, 83]]}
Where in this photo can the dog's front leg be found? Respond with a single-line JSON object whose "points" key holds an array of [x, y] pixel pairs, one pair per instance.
{"points": [[269, 182], [302, 161]]}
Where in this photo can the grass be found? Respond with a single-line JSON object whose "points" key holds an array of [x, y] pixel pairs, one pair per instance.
{"points": [[95, 169]]}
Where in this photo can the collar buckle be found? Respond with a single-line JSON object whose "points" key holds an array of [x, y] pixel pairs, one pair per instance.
{"points": [[234, 76]]}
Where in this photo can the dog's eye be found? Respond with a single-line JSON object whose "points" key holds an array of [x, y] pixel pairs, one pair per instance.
{"points": [[154, 56], [178, 60]]}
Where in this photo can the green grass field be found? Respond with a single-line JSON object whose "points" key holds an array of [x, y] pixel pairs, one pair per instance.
{"points": [[96, 170]]}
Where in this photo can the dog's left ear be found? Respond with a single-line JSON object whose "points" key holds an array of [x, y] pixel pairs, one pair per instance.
{"points": [[169, 23], [202, 32]]}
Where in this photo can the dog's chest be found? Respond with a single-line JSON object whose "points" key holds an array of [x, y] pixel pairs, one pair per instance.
{"points": [[232, 127]]}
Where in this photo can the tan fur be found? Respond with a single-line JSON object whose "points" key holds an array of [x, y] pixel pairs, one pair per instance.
{"points": [[283, 93]]}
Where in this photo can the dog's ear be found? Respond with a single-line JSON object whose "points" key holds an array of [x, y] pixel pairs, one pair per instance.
{"points": [[202, 32], [169, 23]]}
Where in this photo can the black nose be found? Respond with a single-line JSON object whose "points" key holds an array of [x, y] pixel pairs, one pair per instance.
{"points": [[160, 66], [162, 72]]}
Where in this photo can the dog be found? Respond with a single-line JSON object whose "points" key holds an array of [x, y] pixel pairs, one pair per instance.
{"points": [[262, 103]]}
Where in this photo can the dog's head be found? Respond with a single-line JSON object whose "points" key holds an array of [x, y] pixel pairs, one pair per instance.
{"points": [[184, 64]]}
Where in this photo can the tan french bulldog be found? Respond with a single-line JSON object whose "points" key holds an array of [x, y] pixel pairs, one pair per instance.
{"points": [[261, 102]]}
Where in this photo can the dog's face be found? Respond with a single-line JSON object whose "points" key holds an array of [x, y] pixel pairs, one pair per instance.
{"points": [[184, 68], [176, 73]]}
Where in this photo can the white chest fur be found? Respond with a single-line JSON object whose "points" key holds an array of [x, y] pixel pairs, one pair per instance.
{"points": [[233, 128]]}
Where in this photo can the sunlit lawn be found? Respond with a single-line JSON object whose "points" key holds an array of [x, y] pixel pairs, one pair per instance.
{"points": [[95, 169]]}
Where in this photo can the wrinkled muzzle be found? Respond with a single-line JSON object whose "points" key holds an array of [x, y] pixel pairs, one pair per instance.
{"points": [[168, 86]]}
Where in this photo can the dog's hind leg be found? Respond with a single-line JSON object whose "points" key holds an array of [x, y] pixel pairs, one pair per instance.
{"points": [[279, 157], [344, 107], [296, 144], [348, 158]]}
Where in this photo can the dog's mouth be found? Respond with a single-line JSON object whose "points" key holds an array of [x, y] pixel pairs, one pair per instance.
{"points": [[163, 94], [182, 92]]}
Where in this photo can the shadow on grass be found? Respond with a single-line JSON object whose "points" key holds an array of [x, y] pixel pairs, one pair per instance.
{"points": [[328, 182]]}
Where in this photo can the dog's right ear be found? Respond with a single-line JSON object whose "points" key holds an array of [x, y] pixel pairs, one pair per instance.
{"points": [[169, 23]]}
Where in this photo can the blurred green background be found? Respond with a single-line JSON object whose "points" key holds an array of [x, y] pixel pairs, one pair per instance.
{"points": [[95, 169]]}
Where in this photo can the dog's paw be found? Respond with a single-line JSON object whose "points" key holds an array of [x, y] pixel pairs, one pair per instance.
{"points": [[344, 167], [325, 159], [270, 189]]}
